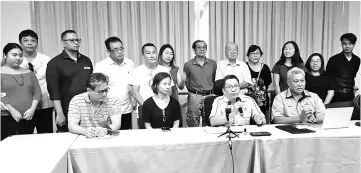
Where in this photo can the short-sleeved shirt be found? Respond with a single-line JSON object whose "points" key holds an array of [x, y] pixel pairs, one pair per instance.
{"points": [[249, 107], [143, 77], [82, 111], [67, 78], [285, 105], [343, 70], [320, 84], [119, 77], [39, 64], [200, 78], [282, 70], [154, 115]]}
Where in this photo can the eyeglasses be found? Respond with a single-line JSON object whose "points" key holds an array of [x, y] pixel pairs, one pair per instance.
{"points": [[117, 49], [346, 44], [73, 40], [316, 62], [230, 87], [255, 53], [103, 91]]}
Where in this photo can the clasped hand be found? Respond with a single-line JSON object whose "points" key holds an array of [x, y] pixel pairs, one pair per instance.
{"points": [[92, 132]]}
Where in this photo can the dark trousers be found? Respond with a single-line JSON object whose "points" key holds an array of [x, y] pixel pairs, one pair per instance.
{"points": [[10, 127], [43, 120], [126, 121], [343, 97]]}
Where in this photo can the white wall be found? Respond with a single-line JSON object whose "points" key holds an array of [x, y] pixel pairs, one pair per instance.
{"points": [[15, 17]]}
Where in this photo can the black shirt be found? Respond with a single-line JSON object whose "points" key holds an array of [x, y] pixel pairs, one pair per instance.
{"points": [[67, 78], [343, 71], [154, 115], [265, 76], [320, 84]]}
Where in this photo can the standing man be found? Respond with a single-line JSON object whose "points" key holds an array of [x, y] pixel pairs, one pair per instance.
{"points": [[66, 75], [142, 76], [232, 65], [118, 68], [37, 62], [344, 67], [200, 74]]}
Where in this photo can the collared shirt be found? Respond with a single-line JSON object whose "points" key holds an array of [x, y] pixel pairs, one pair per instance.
{"points": [[82, 111], [143, 78], [344, 71], [67, 78], [40, 62], [285, 105], [119, 77], [200, 78], [249, 107]]}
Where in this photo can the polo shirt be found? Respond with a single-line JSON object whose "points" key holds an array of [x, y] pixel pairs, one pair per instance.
{"points": [[82, 111], [143, 77], [200, 78], [285, 105], [67, 78], [249, 107], [343, 70], [119, 77]]}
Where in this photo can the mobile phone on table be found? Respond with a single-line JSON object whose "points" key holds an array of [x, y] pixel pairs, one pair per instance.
{"points": [[260, 134]]}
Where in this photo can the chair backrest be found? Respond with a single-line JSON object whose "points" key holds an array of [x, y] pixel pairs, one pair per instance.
{"points": [[208, 101], [140, 120]]}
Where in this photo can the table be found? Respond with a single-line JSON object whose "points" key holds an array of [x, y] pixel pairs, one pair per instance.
{"points": [[188, 150], [39, 153], [325, 151]]}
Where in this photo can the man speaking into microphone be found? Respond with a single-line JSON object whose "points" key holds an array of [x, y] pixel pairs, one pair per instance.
{"points": [[243, 107]]}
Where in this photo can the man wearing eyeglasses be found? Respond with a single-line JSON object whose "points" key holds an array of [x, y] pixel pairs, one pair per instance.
{"points": [[344, 67], [297, 105], [66, 76], [243, 108], [119, 69], [93, 113], [232, 65]]}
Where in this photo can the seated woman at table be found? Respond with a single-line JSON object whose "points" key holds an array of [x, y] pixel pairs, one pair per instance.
{"points": [[243, 107], [21, 93], [161, 110], [317, 79]]}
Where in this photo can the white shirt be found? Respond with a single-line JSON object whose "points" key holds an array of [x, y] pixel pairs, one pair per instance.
{"points": [[40, 63], [119, 76], [143, 77], [240, 69]]}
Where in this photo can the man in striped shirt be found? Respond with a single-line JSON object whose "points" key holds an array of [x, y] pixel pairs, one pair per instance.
{"points": [[92, 113]]}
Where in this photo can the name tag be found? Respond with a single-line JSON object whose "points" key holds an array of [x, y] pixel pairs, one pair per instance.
{"points": [[87, 68]]}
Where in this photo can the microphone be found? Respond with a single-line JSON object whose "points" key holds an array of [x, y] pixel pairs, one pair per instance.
{"points": [[240, 108], [228, 109]]}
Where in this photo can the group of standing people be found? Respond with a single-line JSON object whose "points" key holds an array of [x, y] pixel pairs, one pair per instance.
{"points": [[99, 101]]}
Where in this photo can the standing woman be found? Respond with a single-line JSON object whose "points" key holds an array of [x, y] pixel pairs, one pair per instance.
{"points": [[318, 80], [22, 93], [166, 58], [290, 58], [261, 77], [161, 110]]}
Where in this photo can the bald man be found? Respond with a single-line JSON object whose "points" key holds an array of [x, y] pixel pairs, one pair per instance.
{"points": [[232, 65]]}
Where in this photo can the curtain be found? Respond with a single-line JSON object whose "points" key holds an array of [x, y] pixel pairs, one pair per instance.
{"points": [[135, 23], [314, 26]]}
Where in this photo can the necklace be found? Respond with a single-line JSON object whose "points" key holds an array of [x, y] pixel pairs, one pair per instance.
{"points": [[22, 80]]}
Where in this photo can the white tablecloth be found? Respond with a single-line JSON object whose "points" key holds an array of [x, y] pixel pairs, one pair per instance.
{"points": [[184, 150], [40, 153]]}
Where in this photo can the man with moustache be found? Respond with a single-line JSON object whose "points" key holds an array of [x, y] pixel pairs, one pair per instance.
{"points": [[232, 65], [66, 76], [200, 75], [297, 105], [142, 76], [93, 113], [344, 67], [118, 68]]}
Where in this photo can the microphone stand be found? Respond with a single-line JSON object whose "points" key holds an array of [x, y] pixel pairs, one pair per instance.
{"points": [[229, 131]]}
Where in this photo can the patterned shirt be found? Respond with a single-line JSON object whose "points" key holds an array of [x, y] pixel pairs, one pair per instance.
{"points": [[82, 111]]}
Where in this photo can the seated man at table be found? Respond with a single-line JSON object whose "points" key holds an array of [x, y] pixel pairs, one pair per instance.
{"points": [[93, 113], [243, 107], [297, 105]]}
